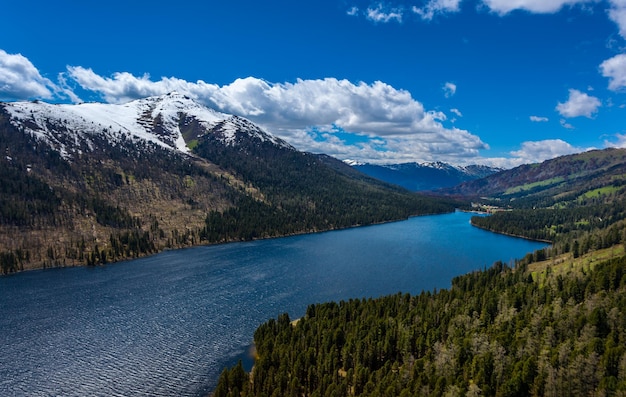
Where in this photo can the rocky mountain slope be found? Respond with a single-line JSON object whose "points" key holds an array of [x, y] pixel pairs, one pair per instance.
{"points": [[92, 183]]}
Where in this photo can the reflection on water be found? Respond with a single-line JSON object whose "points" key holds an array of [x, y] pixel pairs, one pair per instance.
{"points": [[168, 324]]}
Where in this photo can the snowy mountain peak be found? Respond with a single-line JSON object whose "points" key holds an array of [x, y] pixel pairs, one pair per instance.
{"points": [[353, 163], [231, 130], [159, 120], [440, 165]]}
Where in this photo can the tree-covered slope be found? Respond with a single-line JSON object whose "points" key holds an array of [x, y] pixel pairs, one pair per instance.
{"points": [[572, 201], [93, 183], [577, 199], [553, 325], [112, 202], [541, 185], [498, 332], [303, 192]]}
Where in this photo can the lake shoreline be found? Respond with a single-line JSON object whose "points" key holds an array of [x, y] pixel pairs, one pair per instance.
{"points": [[208, 244], [511, 234], [178, 319]]}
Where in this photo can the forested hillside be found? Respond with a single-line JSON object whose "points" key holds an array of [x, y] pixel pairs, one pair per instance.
{"points": [[497, 332], [303, 192], [75, 191], [554, 324], [577, 202], [539, 185]]}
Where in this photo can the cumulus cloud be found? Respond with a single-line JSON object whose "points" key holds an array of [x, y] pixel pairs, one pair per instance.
{"points": [[538, 119], [449, 89], [306, 113], [615, 70], [19, 79], [620, 141], [579, 104], [381, 13], [538, 151], [457, 112], [352, 11], [617, 13], [434, 7], [616, 10], [566, 125], [533, 152], [535, 6], [379, 122], [453, 145]]}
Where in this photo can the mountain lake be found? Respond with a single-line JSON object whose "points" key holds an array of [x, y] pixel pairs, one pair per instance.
{"points": [[168, 324]]}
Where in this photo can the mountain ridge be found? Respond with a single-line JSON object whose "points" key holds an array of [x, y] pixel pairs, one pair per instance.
{"points": [[551, 323], [152, 119], [93, 183]]}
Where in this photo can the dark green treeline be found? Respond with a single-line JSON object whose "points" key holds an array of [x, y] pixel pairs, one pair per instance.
{"points": [[494, 333]]}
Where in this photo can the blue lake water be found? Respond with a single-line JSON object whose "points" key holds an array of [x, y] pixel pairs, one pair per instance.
{"points": [[168, 324]]}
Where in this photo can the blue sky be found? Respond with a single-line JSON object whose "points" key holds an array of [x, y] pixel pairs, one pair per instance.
{"points": [[495, 82]]}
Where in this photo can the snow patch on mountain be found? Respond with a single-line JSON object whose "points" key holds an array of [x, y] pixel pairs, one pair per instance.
{"points": [[74, 128], [353, 163], [229, 129], [472, 170]]}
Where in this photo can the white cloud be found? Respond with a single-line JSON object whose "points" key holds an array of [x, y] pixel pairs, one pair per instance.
{"points": [[579, 104], [381, 13], [353, 11], [19, 79], [533, 152], [566, 125], [454, 146], [617, 13], [449, 89], [538, 119], [367, 122], [619, 143], [379, 123], [538, 151], [615, 70], [390, 124], [535, 6], [123, 87], [435, 7]]}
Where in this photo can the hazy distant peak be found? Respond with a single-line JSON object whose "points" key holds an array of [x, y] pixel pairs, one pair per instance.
{"points": [[425, 176]]}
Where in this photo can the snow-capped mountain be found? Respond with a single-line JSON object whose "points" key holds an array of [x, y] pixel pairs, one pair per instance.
{"points": [[232, 130], [166, 121], [353, 163], [425, 176], [93, 183]]}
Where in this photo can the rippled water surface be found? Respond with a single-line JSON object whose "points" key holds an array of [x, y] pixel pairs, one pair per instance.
{"points": [[168, 324]]}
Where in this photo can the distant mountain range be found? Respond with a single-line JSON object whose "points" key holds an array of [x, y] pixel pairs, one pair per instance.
{"points": [[424, 176], [92, 183]]}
